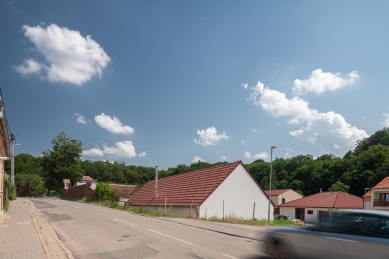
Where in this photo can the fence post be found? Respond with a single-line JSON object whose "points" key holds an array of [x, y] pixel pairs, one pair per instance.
{"points": [[254, 211], [190, 213], [165, 206], [223, 210]]}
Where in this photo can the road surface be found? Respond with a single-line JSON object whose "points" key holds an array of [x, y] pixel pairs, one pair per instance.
{"points": [[91, 231]]}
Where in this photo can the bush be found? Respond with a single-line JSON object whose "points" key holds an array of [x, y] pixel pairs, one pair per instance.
{"points": [[11, 189], [105, 193]]}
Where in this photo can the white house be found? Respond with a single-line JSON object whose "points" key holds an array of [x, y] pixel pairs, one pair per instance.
{"points": [[89, 181], [377, 198], [316, 207], [227, 190]]}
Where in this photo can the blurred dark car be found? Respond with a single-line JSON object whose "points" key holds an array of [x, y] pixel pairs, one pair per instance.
{"points": [[353, 234], [283, 217]]}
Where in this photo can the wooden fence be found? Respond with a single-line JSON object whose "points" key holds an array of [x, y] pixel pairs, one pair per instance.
{"points": [[81, 191]]}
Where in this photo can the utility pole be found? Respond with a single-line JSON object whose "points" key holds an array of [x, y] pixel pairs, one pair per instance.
{"points": [[13, 136]]}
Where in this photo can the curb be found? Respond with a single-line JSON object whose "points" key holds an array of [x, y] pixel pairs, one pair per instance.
{"points": [[53, 247]]}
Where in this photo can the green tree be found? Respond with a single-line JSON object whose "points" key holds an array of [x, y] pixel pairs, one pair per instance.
{"points": [[24, 164], [29, 185], [339, 186], [62, 162]]}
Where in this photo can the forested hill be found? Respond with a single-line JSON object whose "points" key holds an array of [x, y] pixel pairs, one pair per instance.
{"points": [[359, 169]]}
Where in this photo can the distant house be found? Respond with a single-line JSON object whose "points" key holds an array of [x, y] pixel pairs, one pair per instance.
{"points": [[220, 191], [126, 191], [377, 198], [5, 153], [89, 181], [315, 208], [282, 196]]}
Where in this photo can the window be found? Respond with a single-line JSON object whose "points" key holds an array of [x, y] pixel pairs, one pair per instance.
{"points": [[384, 196], [310, 211], [283, 200]]}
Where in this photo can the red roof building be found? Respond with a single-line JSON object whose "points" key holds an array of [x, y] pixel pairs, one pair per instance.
{"points": [[224, 190], [123, 190], [377, 198], [316, 207], [282, 196]]}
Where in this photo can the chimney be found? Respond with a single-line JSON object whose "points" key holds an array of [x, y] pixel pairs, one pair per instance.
{"points": [[156, 181]]}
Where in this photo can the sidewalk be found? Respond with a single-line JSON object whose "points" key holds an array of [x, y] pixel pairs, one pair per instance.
{"points": [[26, 234]]}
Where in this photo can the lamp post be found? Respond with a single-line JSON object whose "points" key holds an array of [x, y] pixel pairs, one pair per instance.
{"points": [[13, 140], [271, 172]]}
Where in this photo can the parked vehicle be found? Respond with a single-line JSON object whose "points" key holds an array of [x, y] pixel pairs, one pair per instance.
{"points": [[353, 234], [283, 217]]}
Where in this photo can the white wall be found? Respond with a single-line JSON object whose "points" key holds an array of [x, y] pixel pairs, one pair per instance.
{"points": [[239, 192], [1, 192], [309, 218], [181, 211], [287, 211]]}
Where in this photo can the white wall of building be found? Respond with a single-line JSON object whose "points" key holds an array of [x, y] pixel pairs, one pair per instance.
{"points": [[309, 218], [1, 192], [180, 211], [239, 193]]}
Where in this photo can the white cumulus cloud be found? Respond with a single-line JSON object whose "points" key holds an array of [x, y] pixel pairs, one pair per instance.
{"points": [[197, 159], [223, 157], [123, 149], [247, 154], [93, 152], [245, 85], [242, 141], [113, 124], [385, 123], [209, 137], [142, 154], [320, 82], [79, 118], [322, 129], [68, 56], [262, 155], [254, 130], [29, 66]]}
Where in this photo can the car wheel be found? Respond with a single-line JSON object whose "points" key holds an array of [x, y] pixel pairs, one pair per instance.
{"points": [[279, 250]]}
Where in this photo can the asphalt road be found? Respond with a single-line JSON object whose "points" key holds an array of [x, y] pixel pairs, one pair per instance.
{"points": [[91, 231]]}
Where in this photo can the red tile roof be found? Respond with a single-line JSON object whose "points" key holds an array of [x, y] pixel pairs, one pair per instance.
{"points": [[381, 185], [327, 200], [276, 192], [123, 189], [87, 178], [186, 189]]}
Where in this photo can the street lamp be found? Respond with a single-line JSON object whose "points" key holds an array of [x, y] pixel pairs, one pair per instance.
{"points": [[13, 140], [271, 172]]}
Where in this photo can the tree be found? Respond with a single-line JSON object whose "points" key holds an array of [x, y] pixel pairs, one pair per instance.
{"points": [[29, 185], [339, 186], [62, 162]]}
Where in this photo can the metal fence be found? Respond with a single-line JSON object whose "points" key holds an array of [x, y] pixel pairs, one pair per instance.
{"points": [[81, 191]]}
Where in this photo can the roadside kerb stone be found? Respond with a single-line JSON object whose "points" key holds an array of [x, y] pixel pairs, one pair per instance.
{"points": [[54, 248]]}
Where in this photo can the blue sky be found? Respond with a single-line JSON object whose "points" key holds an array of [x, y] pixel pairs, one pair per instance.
{"points": [[171, 82]]}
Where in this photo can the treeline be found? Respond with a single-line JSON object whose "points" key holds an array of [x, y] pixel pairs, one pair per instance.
{"points": [[361, 168]]}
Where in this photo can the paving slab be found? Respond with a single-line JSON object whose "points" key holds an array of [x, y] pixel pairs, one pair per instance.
{"points": [[18, 236], [25, 233]]}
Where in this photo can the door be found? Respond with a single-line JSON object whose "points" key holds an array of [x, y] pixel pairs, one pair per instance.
{"points": [[300, 214]]}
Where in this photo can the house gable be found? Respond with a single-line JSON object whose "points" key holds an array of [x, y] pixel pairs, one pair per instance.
{"points": [[236, 196]]}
